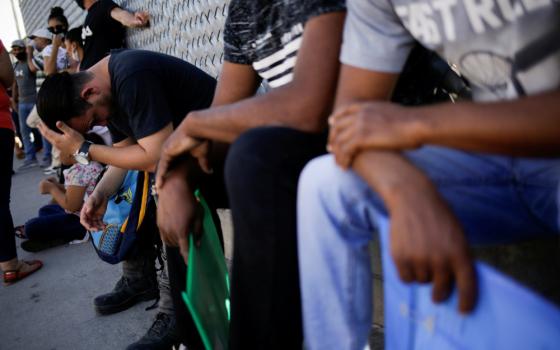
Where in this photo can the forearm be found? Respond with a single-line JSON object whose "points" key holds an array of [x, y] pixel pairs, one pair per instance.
{"points": [[31, 65], [126, 18], [110, 182], [390, 175], [528, 126], [58, 195], [279, 107], [132, 157], [50, 62]]}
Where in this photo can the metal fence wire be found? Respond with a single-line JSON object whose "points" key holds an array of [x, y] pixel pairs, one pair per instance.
{"points": [[189, 29]]}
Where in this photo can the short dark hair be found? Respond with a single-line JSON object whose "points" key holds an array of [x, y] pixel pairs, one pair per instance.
{"points": [[74, 35], [60, 99], [81, 4]]}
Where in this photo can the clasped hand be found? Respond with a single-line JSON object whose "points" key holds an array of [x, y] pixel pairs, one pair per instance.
{"points": [[427, 241], [370, 125]]}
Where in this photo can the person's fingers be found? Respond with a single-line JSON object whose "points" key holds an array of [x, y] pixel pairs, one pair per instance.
{"points": [[340, 123], [46, 131], [346, 142], [184, 247], [422, 272], [405, 270], [162, 167], [466, 285], [205, 165], [338, 126], [443, 282], [341, 112], [64, 127]]}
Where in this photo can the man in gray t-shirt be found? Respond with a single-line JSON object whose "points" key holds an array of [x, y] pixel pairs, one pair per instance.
{"points": [[446, 175], [25, 96]]}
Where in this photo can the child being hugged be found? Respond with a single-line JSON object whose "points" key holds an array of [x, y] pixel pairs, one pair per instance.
{"points": [[59, 221]]}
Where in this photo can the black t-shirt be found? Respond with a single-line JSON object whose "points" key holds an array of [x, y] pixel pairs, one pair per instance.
{"points": [[267, 34], [151, 90], [100, 33]]}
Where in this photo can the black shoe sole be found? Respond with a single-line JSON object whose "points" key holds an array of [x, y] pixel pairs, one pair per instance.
{"points": [[34, 246], [113, 309]]}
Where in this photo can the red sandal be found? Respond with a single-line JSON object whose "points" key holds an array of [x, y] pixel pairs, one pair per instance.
{"points": [[12, 276]]}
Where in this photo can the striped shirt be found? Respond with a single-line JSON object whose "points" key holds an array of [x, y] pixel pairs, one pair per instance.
{"points": [[268, 34]]}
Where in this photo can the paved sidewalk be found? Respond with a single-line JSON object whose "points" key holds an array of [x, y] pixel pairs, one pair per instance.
{"points": [[53, 309]]}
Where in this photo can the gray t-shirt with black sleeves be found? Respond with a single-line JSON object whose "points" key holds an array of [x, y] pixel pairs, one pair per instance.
{"points": [[505, 48], [26, 83]]}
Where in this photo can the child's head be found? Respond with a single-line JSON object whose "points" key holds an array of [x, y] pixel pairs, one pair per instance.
{"points": [[68, 159]]}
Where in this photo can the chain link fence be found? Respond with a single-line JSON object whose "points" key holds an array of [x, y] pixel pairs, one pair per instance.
{"points": [[188, 29]]}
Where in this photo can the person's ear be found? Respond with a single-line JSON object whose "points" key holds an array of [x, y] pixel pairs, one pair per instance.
{"points": [[88, 91]]}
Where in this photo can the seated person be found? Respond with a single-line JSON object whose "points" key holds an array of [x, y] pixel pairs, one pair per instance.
{"points": [[447, 176], [60, 220]]}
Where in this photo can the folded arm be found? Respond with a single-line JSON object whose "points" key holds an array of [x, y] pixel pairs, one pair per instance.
{"points": [[303, 104]]}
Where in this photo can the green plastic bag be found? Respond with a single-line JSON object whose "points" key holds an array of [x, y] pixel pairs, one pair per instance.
{"points": [[207, 292]]}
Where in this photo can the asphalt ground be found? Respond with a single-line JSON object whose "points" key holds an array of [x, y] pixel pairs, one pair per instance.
{"points": [[53, 308]]}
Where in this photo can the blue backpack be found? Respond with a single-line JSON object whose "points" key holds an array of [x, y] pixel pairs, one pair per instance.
{"points": [[125, 214]]}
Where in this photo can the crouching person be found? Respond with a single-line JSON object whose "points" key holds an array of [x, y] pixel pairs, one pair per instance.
{"points": [[59, 221], [141, 96]]}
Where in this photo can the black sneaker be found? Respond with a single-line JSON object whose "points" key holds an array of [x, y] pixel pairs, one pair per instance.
{"points": [[162, 335], [125, 294]]}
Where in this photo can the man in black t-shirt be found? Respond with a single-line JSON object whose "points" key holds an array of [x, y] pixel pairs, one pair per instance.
{"points": [[103, 29], [273, 135], [141, 96]]}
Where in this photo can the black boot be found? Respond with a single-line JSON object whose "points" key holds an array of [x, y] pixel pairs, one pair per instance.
{"points": [[162, 335], [125, 294]]}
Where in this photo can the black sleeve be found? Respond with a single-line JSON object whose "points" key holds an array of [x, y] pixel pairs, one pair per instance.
{"points": [[315, 8], [108, 6], [143, 100], [237, 32]]}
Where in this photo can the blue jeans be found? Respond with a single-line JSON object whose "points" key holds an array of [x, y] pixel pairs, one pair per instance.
{"points": [[497, 199], [24, 110], [47, 149], [54, 222]]}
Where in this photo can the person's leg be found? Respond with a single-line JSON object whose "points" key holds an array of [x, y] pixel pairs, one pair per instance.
{"points": [[338, 213], [15, 119], [7, 237], [50, 209], [138, 282], [212, 188], [262, 171], [188, 333], [163, 333], [24, 110], [54, 223], [12, 268]]}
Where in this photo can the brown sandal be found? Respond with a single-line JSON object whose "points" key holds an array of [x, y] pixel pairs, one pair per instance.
{"points": [[12, 276]]}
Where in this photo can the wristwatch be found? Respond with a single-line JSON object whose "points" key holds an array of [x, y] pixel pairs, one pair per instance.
{"points": [[82, 154]]}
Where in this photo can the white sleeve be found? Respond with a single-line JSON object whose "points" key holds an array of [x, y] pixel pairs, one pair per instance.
{"points": [[47, 51]]}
